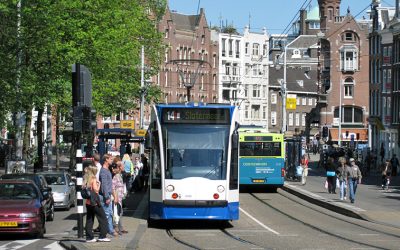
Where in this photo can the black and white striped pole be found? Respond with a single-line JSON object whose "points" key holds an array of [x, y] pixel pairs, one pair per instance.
{"points": [[79, 181]]}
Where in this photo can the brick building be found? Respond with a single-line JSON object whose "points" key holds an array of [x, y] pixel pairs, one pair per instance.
{"points": [[344, 74], [187, 37]]}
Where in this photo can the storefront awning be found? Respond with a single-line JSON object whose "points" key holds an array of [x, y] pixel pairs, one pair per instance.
{"points": [[352, 132]]}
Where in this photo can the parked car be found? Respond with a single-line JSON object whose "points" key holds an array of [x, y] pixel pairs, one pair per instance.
{"points": [[22, 209], [41, 183], [63, 188]]}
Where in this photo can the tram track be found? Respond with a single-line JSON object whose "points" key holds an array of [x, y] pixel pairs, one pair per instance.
{"points": [[319, 229], [251, 245]]}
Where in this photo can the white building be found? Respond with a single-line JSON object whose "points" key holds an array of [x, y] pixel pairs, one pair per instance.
{"points": [[243, 76]]}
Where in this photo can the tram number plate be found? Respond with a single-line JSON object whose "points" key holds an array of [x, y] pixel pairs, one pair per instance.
{"points": [[8, 224], [258, 181]]}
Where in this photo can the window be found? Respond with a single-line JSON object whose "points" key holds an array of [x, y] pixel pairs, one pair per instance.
{"points": [[273, 98], [290, 119], [246, 48], [246, 69], [237, 49], [265, 50], [166, 33], [256, 49], [298, 101], [304, 101], [255, 69], [297, 119], [223, 46], [255, 111], [310, 101], [348, 36], [348, 88], [348, 59], [303, 119], [235, 69], [314, 25], [246, 88], [246, 112], [256, 91], [230, 47], [264, 112], [350, 114], [273, 118], [203, 38], [227, 69]]}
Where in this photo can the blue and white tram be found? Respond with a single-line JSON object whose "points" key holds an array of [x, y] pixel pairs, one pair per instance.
{"points": [[193, 162]]}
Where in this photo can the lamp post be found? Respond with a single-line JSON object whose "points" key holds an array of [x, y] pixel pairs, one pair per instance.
{"points": [[283, 90], [340, 116]]}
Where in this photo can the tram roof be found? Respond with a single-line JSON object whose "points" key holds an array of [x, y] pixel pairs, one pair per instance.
{"points": [[195, 104]]}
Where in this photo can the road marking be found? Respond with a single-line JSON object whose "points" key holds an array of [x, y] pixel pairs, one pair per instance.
{"points": [[259, 222], [54, 246], [17, 244]]}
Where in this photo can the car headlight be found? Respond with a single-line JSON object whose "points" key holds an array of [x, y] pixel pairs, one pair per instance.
{"points": [[27, 215]]}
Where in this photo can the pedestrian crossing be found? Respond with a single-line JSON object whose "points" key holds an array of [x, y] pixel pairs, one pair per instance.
{"points": [[29, 244]]}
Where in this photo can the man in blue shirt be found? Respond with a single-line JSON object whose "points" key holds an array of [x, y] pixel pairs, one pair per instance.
{"points": [[106, 191]]}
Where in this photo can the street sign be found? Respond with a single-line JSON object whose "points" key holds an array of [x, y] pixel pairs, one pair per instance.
{"points": [[127, 124], [140, 132], [291, 102]]}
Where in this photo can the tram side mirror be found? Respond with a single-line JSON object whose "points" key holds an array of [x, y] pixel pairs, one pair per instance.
{"points": [[235, 140], [147, 140]]}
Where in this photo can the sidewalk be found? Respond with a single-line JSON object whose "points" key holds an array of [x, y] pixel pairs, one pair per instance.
{"points": [[372, 203], [133, 221]]}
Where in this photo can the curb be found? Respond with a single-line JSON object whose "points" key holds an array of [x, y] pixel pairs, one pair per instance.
{"points": [[323, 203]]}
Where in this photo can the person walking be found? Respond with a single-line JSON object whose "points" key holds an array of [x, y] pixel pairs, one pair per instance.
{"points": [[395, 164], [96, 161], [354, 178], [128, 171], [341, 173], [304, 165], [386, 170], [331, 175], [106, 192], [93, 207], [145, 172], [118, 194], [138, 170]]}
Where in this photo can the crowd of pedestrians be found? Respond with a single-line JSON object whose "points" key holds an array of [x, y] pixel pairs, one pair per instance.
{"points": [[344, 172], [109, 184]]}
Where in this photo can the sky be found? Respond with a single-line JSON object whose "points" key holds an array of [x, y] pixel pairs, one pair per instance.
{"points": [[275, 15]]}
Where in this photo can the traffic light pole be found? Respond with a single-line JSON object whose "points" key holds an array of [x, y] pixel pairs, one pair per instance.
{"points": [[142, 92]]}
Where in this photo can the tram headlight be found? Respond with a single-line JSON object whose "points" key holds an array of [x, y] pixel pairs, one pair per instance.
{"points": [[170, 188], [220, 189]]}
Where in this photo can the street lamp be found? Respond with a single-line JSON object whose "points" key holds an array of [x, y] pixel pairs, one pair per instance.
{"points": [[283, 91], [340, 116]]}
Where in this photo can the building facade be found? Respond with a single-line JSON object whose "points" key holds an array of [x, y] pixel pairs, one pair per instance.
{"points": [[344, 75], [190, 59]]}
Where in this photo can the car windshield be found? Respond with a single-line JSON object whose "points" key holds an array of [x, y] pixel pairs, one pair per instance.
{"points": [[17, 191], [55, 179]]}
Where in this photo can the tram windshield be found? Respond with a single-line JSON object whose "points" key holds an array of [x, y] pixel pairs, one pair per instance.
{"points": [[196, 151]]}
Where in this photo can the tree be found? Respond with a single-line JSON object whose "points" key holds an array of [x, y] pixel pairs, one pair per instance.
{"points": [[106, 36]]}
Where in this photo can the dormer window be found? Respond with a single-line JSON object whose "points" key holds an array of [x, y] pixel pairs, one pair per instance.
{"points": [[348, 36]]}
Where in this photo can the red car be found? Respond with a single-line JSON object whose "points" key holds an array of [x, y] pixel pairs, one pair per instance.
{"points": [[21, 208]]}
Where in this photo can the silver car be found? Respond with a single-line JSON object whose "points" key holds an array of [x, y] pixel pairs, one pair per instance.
{"points": [[64, 189]]}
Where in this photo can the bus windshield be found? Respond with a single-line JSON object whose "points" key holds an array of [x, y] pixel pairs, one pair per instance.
{"points": [[271, 149], [196, 151]]}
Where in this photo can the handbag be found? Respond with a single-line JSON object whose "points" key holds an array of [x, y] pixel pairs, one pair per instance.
{"points": [[299, 170], [326, 184], [85, 193], [330, 173]]}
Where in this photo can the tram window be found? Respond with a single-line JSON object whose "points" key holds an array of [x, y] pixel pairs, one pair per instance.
{"points": [[156, 164]]}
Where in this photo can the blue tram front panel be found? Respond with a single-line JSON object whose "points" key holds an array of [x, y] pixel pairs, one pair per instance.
{"points": [[261, 171]]}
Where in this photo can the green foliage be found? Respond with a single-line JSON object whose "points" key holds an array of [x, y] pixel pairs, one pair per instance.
{"points": [[106, 36]]}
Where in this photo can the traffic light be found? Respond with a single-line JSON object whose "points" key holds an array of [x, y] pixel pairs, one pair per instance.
{"points": [[325, 132], [81, 86], [77, 119], [89, 120], [325, 158]]}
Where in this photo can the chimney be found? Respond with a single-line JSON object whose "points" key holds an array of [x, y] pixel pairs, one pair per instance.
{"points": [[303, 17], [397, 9]]}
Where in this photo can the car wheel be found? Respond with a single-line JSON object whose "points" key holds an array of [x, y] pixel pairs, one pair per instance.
{"points": [[50, 216], [42, 231]]}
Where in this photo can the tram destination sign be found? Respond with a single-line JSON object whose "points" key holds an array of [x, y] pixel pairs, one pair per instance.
{"points": [[196, 115], [258, 138]]}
